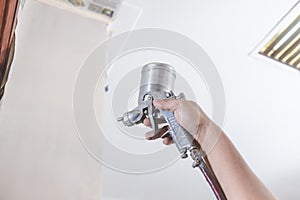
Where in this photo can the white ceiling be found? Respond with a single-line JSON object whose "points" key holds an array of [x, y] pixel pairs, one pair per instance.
{"points": [[262, 97]]}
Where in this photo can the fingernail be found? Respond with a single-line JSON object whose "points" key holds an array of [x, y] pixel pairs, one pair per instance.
{"points": [[148, 136]]}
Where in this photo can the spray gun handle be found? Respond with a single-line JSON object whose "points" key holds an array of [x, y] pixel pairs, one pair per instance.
{"points": [[180, 136], [183, 140]]}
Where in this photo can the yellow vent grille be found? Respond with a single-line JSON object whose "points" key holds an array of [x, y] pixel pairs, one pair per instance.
{"points": [[285, 45]]}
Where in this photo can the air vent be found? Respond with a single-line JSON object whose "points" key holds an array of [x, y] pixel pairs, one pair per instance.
{"points": [[284, 45]]}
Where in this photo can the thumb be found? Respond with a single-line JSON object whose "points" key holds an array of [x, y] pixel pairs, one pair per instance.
{"points": [[166, 104]]}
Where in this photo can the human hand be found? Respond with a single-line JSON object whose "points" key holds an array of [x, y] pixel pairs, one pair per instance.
{"points": [[187, 113]]}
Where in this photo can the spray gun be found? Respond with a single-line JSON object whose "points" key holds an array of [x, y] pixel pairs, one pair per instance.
{"points": [[157, 82]]}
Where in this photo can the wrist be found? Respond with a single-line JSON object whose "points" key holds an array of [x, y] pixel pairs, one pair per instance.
{"points": [[208, 135]]}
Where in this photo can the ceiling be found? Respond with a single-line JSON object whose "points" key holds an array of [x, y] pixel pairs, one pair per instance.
{"points": [[262, 97]]}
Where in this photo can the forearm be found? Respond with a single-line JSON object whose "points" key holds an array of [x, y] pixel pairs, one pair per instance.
{"points": [[236, 178], [234, 175]]}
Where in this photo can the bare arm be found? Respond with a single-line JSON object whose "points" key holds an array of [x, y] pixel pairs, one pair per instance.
{"points": [[235, 176], [233, 173]]}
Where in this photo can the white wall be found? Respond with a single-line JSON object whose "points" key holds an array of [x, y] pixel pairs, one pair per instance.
{"points": [[262, 97], [41, 156]]}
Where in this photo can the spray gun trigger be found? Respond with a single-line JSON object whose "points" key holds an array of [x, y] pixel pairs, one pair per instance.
{"points": [[154, 120]]}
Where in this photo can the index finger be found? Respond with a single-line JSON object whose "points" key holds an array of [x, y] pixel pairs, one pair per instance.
{"points": [[167, 104]]}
